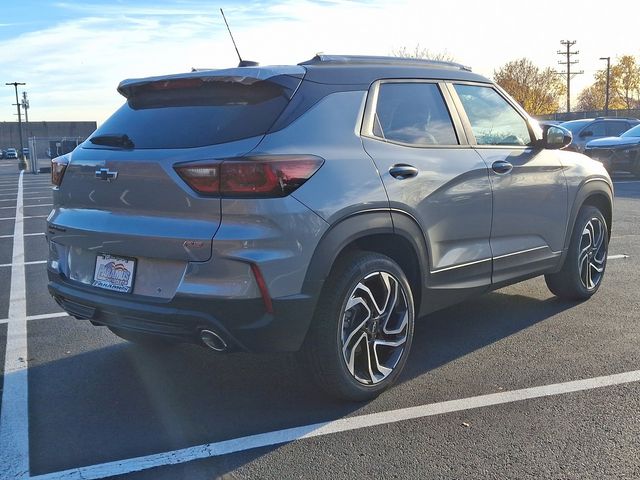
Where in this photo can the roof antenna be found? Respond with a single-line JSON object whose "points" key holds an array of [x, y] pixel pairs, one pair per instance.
{"points": [[243, 63]]}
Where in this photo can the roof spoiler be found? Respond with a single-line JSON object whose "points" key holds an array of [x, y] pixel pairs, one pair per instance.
{"points": [[246, 75]]}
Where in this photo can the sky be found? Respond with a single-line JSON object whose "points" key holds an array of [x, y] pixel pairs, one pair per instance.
{"points": [[72, 54]]}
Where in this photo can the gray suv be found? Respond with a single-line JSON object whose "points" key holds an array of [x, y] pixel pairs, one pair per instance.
{"points": [[318, 208]]}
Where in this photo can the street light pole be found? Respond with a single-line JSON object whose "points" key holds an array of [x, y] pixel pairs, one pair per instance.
{"points": [[606, 93], [17, 104]]}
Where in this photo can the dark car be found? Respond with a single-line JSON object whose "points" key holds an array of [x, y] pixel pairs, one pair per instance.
{"points": [[618, 153], [588, 129]]}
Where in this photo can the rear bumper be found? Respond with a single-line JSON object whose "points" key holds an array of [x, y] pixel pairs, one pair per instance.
{"points": [[243, 324]]}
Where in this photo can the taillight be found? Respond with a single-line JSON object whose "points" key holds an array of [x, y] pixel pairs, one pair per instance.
{"points": [[58, 167], [258, 176], [204, 179]]}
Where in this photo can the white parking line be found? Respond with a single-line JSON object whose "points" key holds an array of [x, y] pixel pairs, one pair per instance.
{"points": [[38, 262], [44, 316], [25, 235], [31, 206], [278, 437], [32, 216], [13, 193], [14, 416]]}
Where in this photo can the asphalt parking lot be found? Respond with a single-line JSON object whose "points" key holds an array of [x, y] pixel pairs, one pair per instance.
{"points": [[514, 384]]}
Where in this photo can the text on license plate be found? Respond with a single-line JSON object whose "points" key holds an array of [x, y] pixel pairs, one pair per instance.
{"points": [[114, 273]]}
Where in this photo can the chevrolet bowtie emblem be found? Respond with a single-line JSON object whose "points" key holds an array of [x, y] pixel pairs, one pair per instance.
{"points": [[105, 174]]}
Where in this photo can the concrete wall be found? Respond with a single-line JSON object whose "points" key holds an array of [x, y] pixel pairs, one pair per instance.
{"points": [[9, 136]]}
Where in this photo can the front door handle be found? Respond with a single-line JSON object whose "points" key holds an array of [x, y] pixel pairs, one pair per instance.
{"points": [[501, 167], [402, 171]]}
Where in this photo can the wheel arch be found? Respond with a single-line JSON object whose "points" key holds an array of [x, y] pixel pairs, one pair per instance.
{"points": [[596, 192], [391, 233]]}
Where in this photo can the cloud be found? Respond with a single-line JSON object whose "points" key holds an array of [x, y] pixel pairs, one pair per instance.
{"points": [[72, 67]]}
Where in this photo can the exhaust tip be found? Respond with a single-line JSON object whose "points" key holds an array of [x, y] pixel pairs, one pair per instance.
{"points": [[213, 340]]}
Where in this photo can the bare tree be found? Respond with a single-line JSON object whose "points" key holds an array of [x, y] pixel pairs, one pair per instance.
{"points": [[592, 98], [420, 52]]}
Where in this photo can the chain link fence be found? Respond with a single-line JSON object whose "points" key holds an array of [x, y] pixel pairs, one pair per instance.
{"points": [[43, 149]]}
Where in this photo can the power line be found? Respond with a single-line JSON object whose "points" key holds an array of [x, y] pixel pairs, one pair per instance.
{"points": [[568, 53]]}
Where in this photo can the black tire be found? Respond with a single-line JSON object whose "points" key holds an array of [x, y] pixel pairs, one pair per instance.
{"points": [[568, 283], [142, 339], [324, 352]]}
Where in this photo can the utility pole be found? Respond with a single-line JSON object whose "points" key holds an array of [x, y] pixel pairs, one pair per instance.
{"points": [[25, 106], [17, 104], [606, 92], [568, 53]]}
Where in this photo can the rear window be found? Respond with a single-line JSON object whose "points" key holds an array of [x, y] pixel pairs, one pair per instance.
{"points": [[194, 112]]}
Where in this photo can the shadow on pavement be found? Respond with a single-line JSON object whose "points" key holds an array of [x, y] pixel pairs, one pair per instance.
{"points": [[124, 401]]}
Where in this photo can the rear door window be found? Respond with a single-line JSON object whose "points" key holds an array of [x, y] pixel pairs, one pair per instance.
{"points": [[193, 112], [413, 113], [493, 120], [615, 128]]}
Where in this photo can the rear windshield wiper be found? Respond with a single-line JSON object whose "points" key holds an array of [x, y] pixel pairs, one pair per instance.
{"points": [[113, 140]]}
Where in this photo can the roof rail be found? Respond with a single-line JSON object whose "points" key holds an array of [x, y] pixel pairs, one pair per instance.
{"points": [[322, 59], [615, 118]]}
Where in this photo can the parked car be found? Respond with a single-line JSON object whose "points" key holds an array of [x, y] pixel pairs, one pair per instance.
{"points": [[618, 153], [11, 154], [25, 152], [1, 154], [324, 208], [549, 122], [588, 129]]}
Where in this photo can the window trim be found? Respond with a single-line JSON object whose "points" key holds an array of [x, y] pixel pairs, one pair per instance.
{"points": [[368, 120], [467, 124]]}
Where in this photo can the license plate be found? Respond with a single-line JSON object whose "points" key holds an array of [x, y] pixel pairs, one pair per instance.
{"points": [[114, 273]]}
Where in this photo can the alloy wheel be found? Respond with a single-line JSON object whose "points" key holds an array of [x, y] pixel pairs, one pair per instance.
{"points": [[593, 253], [374, 327]]}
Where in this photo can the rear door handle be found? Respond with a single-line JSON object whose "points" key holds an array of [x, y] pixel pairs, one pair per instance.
{"points": [[501, 167], [402, 171]]}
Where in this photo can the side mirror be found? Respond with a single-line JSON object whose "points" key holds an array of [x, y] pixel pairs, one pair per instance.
{"points": [[586, 133], [555, 137]]}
